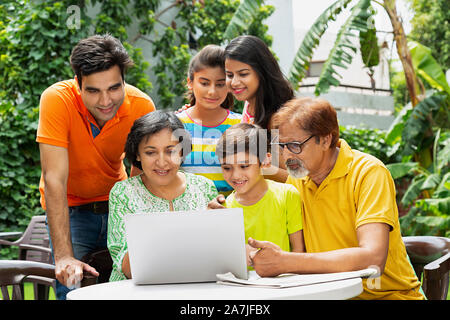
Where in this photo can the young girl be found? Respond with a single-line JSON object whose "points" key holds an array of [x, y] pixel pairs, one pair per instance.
{"points": [[208, 114], [254, 76], [156, 144]]}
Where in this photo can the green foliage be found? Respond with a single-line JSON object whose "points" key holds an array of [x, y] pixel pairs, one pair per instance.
{"points": [[35, 50], [401, 169], [415, 223], [35, 41], [399, 90], [370, 51], [428, 193], [411, 123], [427, 67], [367, 140], [208, 23], [430, 215], [243, 16], [431, 27], [29, 292]]}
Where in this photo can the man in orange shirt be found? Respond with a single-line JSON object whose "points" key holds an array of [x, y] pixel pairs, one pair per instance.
{"points": [[83, 126]]}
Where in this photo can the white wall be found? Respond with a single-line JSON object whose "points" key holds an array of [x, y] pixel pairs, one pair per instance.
{"points": [[281, 28]]}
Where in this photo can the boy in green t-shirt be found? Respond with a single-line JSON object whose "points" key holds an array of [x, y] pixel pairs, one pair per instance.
{"points": [[272, 210]]}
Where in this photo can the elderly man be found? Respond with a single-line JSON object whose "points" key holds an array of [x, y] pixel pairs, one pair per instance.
{"points": [[350, 216], [349, 209]]}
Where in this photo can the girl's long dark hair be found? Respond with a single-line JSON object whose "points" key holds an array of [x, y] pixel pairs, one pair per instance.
{"points": [[274, 89], [211, 56]]}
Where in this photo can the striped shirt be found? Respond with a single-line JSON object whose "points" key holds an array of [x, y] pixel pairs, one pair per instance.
{"points": [[203, 160]]}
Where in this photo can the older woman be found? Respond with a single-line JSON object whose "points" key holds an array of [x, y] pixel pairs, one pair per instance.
{"points": [[156, 144]]}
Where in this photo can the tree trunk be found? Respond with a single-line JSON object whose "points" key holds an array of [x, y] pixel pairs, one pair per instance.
{"points": [[403, 51], [424, 156]]}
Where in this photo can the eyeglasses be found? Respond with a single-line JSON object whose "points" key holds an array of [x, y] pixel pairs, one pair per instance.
{"points": [[294, 146]]}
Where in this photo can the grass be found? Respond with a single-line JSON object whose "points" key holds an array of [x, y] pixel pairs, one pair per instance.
{"points": [[29, 293]]}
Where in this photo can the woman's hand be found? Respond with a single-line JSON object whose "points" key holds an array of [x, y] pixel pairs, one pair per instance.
{"points": [[185, 107]]}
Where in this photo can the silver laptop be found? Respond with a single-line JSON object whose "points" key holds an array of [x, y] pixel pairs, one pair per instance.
{"points": [[186, 246]]}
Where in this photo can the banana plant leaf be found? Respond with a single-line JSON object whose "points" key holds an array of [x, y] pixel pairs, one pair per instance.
{"points": [[443, 156], [418, 121], [242, 18], [394, 133], [341, 55], [427, 67], [413, 224], [431, 182], [440, 206], [401, 169], [440, 223], [370, 51], [413, 191], [302, 58], [443, 190], [412, 125]]}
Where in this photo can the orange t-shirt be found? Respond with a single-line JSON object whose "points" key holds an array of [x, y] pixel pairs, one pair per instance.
{"points": [[95, 165]]}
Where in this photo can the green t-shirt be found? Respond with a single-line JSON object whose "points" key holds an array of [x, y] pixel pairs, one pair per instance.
{"points": [[274, 217], [131, 196]]}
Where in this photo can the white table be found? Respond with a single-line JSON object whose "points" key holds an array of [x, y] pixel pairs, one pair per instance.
{"points": [[127, 290]]}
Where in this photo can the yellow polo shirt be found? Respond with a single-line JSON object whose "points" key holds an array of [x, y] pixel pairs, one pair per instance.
{"points": [[357, 191]]}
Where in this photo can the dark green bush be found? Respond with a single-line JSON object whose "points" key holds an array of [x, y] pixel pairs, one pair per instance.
{"points": [[367, 140]]}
